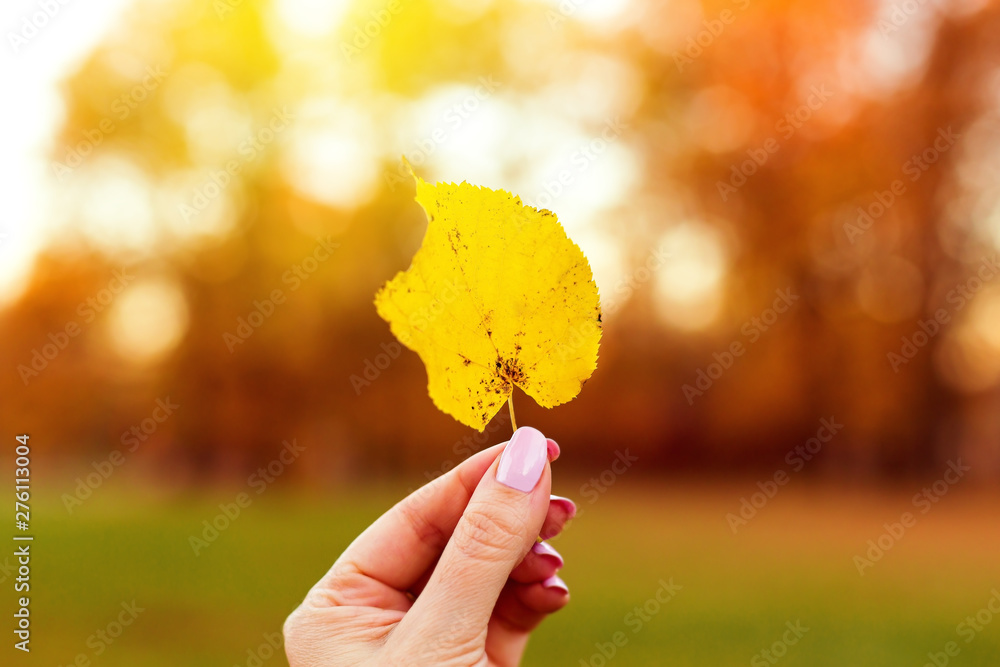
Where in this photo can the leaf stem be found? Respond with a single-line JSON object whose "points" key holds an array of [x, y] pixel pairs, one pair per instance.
{"points": [[510, 406]]}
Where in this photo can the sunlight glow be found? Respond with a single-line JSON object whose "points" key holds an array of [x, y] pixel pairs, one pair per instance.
{"points": [[689, 287], [312, 17], [148, 320], [329, 157], [34, 71]]}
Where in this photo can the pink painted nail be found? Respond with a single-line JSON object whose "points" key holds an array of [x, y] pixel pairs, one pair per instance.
{"points": [[565, 504], [523, 459], [553, 449], [543, 549], [555, 582]]}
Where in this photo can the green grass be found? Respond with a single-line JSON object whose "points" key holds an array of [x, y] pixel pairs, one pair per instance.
{"points": [[792, 562]]}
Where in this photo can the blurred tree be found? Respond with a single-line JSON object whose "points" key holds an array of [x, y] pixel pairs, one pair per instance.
{"points": [[771, 131]]}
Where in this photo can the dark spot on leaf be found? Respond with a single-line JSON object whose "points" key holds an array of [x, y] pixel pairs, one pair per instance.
{"points": [[511, 371]]}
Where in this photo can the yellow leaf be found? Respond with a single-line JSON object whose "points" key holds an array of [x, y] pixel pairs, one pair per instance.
{"points": [[497, 296]]}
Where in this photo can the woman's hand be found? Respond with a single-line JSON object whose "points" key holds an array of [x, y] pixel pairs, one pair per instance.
{"points": [[452, 575]]}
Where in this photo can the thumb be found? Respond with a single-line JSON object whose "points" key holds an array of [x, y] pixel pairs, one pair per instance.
{"points": [[498, 527]]}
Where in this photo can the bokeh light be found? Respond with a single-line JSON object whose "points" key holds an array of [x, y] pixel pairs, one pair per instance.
{"points": [[715, 161], [149, 320]]}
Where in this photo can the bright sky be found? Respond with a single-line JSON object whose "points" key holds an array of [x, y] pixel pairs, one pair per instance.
{"points": [[523, 143], [330, 143]]}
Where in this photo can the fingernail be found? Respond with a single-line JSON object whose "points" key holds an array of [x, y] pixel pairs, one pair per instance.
{"points": [[565, 504], [561, 511], [555, 582], [543, 549], [553, 449], [523, 460]]}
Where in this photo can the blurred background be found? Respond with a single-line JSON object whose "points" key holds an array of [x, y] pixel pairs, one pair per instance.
{"points": [[793, 217]]}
